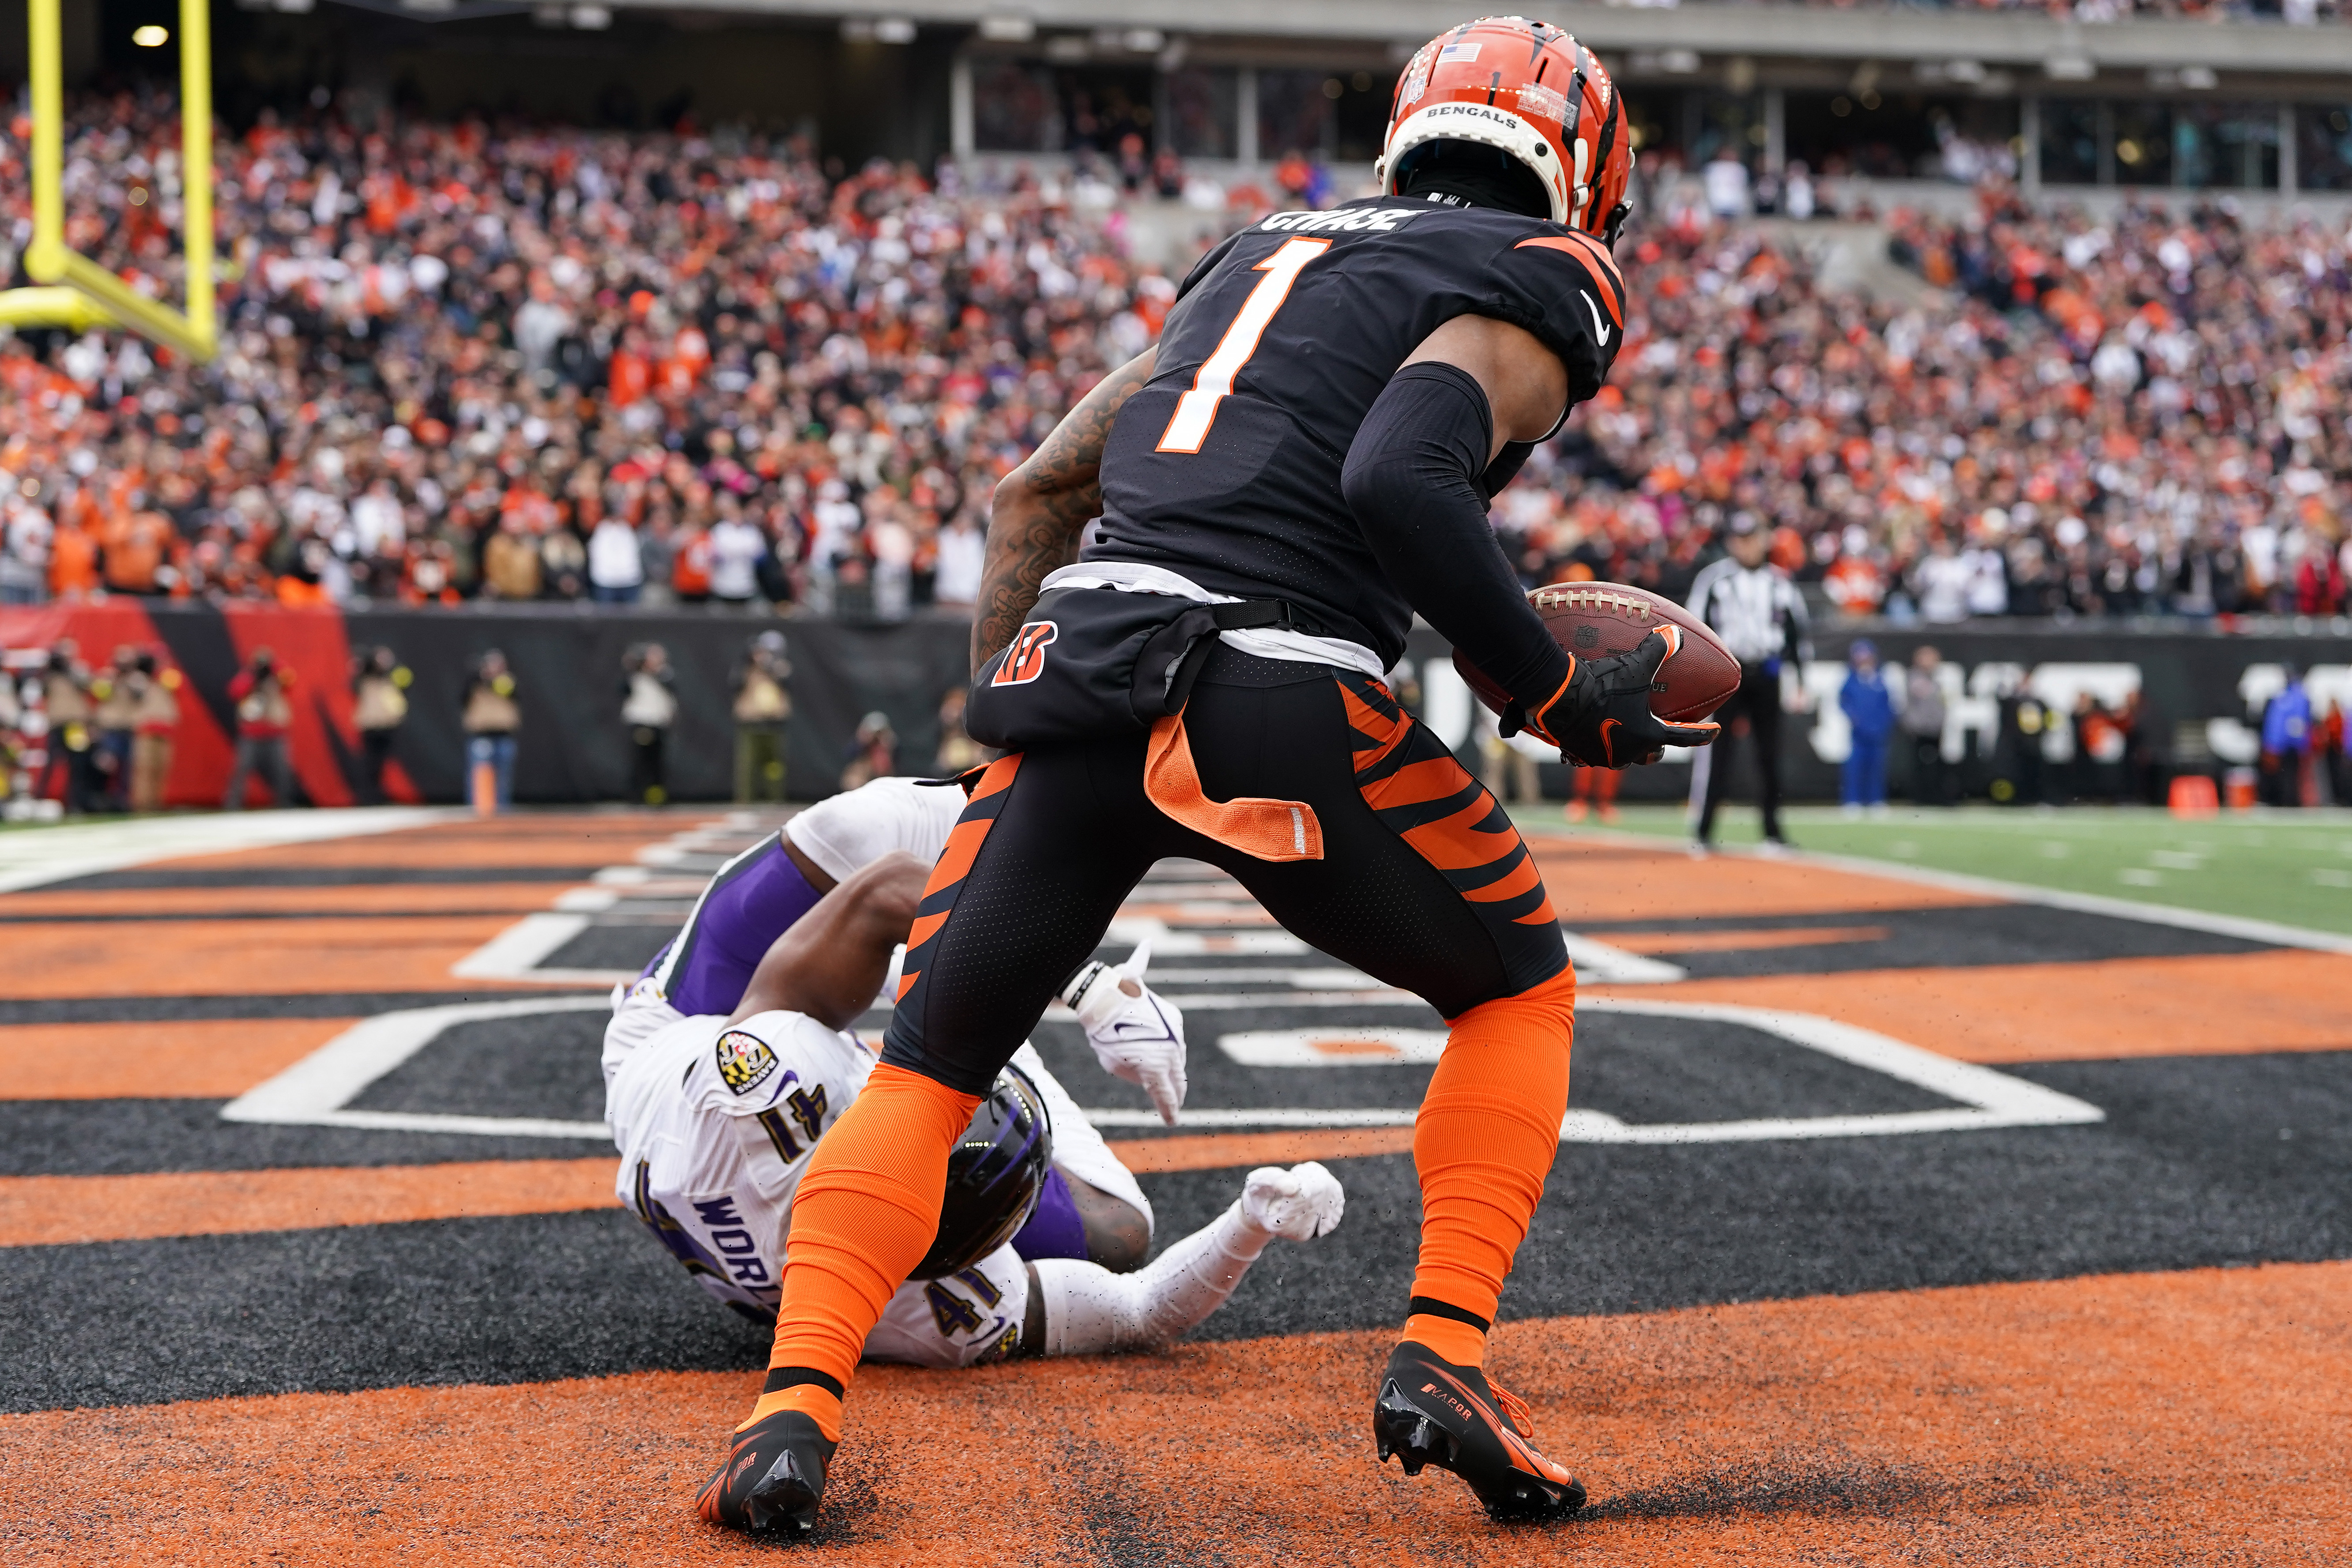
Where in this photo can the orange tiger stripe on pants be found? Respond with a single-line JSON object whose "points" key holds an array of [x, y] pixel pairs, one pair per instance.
{"points": [[1489, 1124]]}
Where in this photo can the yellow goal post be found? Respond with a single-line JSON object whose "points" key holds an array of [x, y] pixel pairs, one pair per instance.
{"points": [[81, 294]]}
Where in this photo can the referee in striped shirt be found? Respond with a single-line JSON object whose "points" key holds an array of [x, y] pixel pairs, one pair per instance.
{"points": [[1760, 616]]}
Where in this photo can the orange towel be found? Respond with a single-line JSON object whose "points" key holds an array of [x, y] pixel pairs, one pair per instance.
{"points": [[1262, 829]]}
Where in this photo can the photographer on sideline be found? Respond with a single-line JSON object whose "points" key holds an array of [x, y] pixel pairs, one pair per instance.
{"points": [[379, 707], [648, 707], [763, 705], [492, 714], [157, 693], [264, 716]]}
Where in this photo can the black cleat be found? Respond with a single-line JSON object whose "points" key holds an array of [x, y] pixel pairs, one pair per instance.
{"points": [[1430, 1412], [773, 1478]]}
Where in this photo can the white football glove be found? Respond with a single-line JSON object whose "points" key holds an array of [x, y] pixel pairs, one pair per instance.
{"points": [[1137, 1033], [1299, 1204]]}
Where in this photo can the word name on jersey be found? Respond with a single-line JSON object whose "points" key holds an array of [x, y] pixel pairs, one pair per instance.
{"points": [[1344, 218], [729, 1235]]}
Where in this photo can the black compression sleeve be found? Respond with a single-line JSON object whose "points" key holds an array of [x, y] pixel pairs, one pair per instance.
{"points": [[1413, 481], [1504, 467]]}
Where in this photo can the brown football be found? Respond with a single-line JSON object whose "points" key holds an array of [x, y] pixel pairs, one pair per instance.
{"points": [[1592, 620]]}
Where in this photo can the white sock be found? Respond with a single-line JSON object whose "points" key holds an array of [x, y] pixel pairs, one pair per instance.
{"points": [[1090, 1310]]}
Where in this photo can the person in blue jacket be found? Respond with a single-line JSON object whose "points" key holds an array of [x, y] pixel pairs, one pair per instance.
{"points": [[2286, 739], [1870, 714]]}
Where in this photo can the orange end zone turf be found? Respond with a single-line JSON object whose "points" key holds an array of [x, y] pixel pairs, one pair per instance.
{"points": [[1999, 1423], [1235, 1150], [356, 899], [42, 1211], [1641, 883], [245, 958], [182, 1058], [564, 839]]}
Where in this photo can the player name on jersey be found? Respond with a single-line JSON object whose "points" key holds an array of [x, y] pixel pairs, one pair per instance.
{"points": [[1352, 220], [1226, 466]]}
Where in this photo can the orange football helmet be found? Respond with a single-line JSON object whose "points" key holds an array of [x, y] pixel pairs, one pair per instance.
{"points": [[1535, 93]]}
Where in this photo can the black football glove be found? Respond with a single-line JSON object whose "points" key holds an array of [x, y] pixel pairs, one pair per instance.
{"points": [[1601, 717]]}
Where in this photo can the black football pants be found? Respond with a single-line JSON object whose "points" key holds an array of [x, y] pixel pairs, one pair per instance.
{"points": [[1424, 882], [1758, 701]]}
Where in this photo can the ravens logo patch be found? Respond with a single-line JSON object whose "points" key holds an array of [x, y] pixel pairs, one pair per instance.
{"points": [[745, 1061]]}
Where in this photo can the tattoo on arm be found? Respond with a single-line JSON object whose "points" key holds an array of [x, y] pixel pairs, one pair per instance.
{"points": [[1044, 504]]}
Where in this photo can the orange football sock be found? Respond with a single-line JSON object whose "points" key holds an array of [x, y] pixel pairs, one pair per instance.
{"points": [[1462, 1344], [820, 1405], [1483, 1143], [865, 1215]]}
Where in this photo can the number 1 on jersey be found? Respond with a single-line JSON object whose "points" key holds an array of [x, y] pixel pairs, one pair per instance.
{"points": [[1197, 409]]}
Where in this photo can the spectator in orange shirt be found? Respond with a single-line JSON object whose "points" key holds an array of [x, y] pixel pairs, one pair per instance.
{"points": [[631, 377], [135, 547], [73, 563], [689, 572]]}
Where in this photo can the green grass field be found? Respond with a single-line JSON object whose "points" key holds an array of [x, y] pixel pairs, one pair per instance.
{"points": [[2291, 866]]}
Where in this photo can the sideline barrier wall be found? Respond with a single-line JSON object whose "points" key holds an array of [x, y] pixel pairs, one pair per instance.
{"points": [[573, 747], [2198, 678]]}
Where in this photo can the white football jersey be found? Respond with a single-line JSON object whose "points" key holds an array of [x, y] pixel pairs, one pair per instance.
{"points": [[846, 831], [715, 1123]]}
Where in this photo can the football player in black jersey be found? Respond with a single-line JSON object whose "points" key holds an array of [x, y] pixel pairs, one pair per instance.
{"points": [[1303, 462]]}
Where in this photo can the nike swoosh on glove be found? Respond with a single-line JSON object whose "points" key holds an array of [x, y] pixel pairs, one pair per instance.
{"points": [[1298, 1204], [1601, 717], [1137, 1033]]}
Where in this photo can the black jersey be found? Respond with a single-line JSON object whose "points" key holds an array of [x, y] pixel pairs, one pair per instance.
{"points": [[1225, 465]]}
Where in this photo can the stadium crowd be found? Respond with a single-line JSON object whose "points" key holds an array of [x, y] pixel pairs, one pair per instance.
{"points": [[525, 364], [2144, 416], [549, 364], [2295, 13]]}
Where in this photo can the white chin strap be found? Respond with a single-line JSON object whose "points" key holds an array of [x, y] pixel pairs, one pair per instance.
{"points": [[1491, 126]]}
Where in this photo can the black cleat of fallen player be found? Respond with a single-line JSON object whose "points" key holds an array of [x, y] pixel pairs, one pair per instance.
{"points": [[773, 1478], [1432, 1412]]}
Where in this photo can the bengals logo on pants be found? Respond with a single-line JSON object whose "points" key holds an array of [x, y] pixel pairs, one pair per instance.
{"points": [[1025, 662]]}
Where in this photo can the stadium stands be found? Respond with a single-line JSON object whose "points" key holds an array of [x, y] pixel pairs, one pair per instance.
{"points": [[449, 336], [459, 350], [2138, 415]]}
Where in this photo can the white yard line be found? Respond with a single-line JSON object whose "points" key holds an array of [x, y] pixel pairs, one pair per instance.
{"points": [[319, 1089], [1226, 1121], [2270, 931], [1598, 964], [515, 954], [1985, 1099], [314, 1091], [36, 857]]}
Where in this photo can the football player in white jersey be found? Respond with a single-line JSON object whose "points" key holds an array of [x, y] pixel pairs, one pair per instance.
{"points": [[715, 1111]]}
